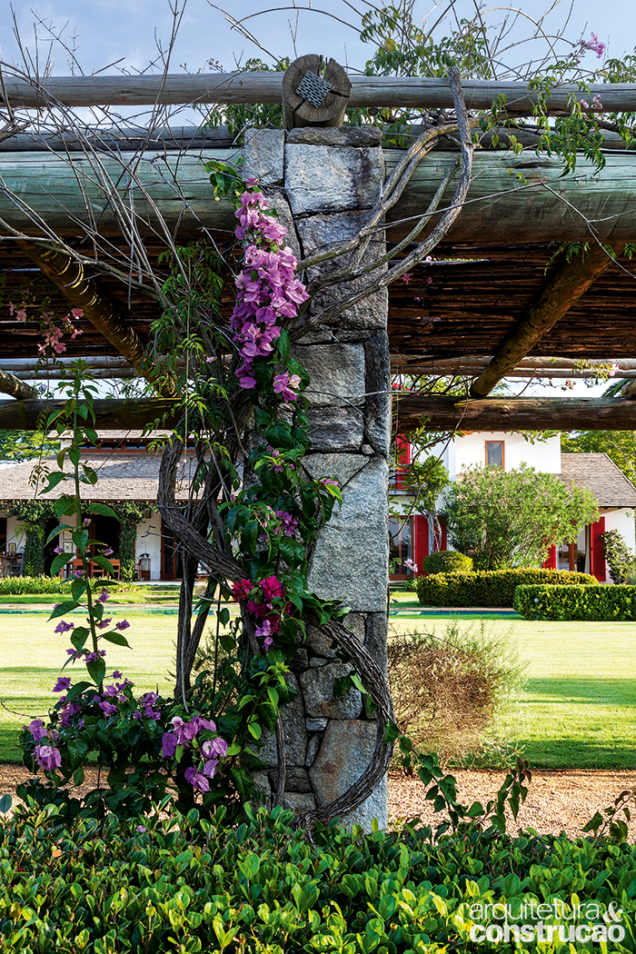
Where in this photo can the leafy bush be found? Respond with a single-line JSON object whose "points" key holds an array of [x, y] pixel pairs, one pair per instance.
{"points": [[621, 560], [490, 587], [447, 561], [447, 689], [180, 883], [576, 602], [23, 585]]}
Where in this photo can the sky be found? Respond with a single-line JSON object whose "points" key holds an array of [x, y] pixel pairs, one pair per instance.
{"points": [[104, 31]]}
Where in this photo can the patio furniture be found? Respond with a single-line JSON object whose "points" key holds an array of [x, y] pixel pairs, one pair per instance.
{"points": [[143, 567]]}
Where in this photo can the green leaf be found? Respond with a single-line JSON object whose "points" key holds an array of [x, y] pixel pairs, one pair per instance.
{"points": [[249, 537], [104, 563], [116, 637], [53, 480], [96, 669], [52, 535], [64, 505], [284, 346], [79, 637], [103, 509], [357, 682], [255, 730], [63, 608], [77, 689], [5, 804]]}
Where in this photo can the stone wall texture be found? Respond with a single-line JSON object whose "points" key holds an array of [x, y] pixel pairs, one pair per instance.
{"points": [[322, 182]]}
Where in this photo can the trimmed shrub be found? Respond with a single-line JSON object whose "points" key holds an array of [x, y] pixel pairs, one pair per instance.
{"points": [[31, 585], [490, 587], [181, 884], [576, 602], [447, 689], [447, 561]]}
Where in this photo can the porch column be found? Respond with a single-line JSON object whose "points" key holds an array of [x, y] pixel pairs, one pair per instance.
{"points": [[329, 179]]}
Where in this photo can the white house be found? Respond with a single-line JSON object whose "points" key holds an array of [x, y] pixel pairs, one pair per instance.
{"points": [[615, 494]]}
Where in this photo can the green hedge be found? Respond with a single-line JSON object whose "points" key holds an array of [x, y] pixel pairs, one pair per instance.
{"points": [[184, 885], [489, 587], [576, 602], [447, 561], [23, 585]]}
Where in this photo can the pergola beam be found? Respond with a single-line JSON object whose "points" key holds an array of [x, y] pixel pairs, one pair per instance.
{"points": [[82, 292], [444, 413], [267, 87], [114, 414], [569, 283], [472, 366], [10, 384]]}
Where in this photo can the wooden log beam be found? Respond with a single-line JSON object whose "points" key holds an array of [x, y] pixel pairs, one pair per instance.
{"points": [[498, 205], [111, 414], [406, 364], [443, 413], [266, 87], [82, 292], [569, 283], [9, 384]]}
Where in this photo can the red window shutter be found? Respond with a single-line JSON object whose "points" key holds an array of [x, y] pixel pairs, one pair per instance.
{"points": [[551, 562], [597, 560], [444, 529], [420, 542]]}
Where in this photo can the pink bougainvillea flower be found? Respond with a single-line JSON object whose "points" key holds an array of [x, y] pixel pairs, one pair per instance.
{"points": [[48, 757]]}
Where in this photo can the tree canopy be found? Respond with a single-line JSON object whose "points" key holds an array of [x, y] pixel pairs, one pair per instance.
{"points": [[512, 518]]}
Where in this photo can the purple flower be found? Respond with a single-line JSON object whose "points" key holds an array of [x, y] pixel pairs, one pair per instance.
{"points": [[48, 757], [122, 624], [63, 684], [117, 674], [103, 596], [210, 768], [267, 642], [105, 623], [594, 45], [37, 730], [110, 691], [86, 522], [410, 565], [93, 657], [108, 708], [168, 744], [78, 573], [197, 779], [141, 828], [214, 748], [108, 552], [64, 627], [58, 550]]}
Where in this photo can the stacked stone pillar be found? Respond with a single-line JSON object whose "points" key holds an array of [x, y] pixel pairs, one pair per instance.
{"points": [[323, 182]]}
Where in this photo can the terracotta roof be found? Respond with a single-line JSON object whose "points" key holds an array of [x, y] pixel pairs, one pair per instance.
{"points": [[121, 476], [599, 474]]}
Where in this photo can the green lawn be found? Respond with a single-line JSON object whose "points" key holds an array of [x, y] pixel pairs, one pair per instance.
{"points": [[578, 708], [31, 655]]}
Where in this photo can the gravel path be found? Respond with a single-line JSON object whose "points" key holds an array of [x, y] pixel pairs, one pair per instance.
{"points": [[557, 801]]}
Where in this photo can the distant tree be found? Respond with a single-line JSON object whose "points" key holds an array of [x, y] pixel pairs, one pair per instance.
{"points": [[620, 446], [25, 445], [512, 518]]}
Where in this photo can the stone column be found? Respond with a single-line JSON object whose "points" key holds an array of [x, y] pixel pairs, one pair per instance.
{"points": [[323, 182]]}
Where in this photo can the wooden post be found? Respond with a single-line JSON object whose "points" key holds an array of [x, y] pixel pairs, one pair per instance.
{"points": [[313, 95]]}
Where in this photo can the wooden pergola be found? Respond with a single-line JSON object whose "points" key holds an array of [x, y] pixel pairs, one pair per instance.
{"points": [[493, 301]]}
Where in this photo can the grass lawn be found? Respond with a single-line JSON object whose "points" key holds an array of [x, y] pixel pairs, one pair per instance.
{"points": [[31, 655], [578, 708]]}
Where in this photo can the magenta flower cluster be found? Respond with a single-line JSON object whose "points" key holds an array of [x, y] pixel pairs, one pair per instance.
{"points": [[268, 291], [261, 599], [187, 735]]}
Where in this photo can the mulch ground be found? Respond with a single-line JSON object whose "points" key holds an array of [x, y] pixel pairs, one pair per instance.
{"points": [[556, 802]]}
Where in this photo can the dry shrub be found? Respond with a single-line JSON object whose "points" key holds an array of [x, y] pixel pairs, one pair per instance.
{"points": [[449, 690]]}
